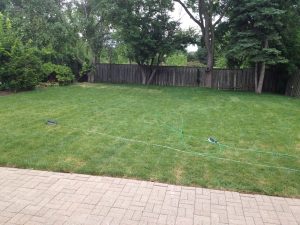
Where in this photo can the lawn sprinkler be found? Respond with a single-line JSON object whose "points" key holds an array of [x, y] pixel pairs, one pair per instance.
{"points": [[213, 141], [51, 122]]}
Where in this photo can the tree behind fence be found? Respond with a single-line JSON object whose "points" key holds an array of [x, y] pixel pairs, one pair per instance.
{"points": [[222, 79]]}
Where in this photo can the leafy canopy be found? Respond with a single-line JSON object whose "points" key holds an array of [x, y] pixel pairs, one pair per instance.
{"points": [[147, 29], [254, 31]]}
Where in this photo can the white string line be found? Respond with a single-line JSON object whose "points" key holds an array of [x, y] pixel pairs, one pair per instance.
{"points": [[187, 152], [251, 149], [227, 146], [233, 147]]}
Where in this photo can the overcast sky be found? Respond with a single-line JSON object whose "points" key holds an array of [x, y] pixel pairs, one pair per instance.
{"points": [[180, 15]]}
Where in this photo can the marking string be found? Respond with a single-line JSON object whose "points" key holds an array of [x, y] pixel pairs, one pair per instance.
{"points": [[205, 155]]}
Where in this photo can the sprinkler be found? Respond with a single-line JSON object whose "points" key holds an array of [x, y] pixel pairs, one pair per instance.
{"points": [[213, 140], [51, 122]]}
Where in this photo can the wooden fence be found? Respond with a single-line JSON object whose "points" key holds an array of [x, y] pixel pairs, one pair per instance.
{"points": [[175, 76]]}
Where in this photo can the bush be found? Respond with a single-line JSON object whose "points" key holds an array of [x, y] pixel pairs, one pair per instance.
{"points": [[22, 69], [20, 66], [63, 74]]}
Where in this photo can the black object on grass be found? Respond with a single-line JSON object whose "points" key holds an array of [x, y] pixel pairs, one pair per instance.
{"points": [[213, 141], [51, 122]]}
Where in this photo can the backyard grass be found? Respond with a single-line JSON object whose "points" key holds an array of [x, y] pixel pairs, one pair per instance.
{"points": [[157, 134]]}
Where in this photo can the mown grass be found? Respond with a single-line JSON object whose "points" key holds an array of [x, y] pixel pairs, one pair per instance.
{"points": [[253, 128]]}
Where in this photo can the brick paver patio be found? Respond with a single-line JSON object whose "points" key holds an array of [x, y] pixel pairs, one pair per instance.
{"points": [[36, 197]]}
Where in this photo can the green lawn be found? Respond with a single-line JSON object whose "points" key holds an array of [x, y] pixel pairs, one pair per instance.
{"points": [[157, 134]]}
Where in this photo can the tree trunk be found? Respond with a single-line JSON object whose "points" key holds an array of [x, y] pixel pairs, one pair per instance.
{"points": [[209, 44], [146, 81], [209, 69], [262, 72], [207, 26], [153, 73], [151, 76], [256, 76], [144, 77], [261, 78]]}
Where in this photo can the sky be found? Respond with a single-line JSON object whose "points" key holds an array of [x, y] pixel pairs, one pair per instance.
{"points": [[180, 15]]}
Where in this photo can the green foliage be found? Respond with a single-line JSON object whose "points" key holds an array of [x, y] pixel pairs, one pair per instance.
{"points": [[42, 22], [22, 71], [19, 63], [222, 39], [117, 54], [147, 29], [142, 31], [195, 64], [177, 59], [86, 68], [254, 35], [49, 25], [6, 39], [199, 55], [290, 34], [62, 73], [91, 18], [221, 62]]}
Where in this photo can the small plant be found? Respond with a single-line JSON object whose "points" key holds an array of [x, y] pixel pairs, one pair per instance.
{"points": [[86, 68]]}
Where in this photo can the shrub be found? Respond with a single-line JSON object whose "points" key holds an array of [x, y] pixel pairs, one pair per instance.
{"points": [[85, 70], [63, 74], [20, 66], [22, 70]]}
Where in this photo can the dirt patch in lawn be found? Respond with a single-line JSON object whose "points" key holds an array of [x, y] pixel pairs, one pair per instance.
{"points": [[178, 171], [74, 161], [5, 93]]}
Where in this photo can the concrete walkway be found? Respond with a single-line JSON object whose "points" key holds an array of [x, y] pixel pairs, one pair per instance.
{"points": [[35, 197]]}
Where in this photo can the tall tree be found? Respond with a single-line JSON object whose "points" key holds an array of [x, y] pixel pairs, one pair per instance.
{"points": [[290, 33], [255, 35], [33, 20], [93, 25], [44, 23], [209, 14], [148, 31]]}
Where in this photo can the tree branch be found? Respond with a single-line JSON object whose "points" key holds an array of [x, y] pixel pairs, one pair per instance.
{"points": [[188, 12], [221, 15], [200, 9]]}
